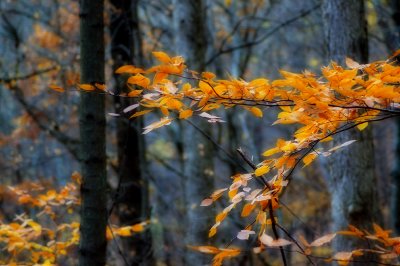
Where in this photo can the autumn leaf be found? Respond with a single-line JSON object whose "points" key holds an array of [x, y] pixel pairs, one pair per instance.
{"points": [[262, 170], [164, 121], [139, 80], [205, 249], [322, 240], [162, 57], [56, 88], [140, 113], [129, 69], [245, 234], [309, 158], [256, 112], [351, 63], [86, 87], [134, 93], [270, 242], [362, 126], [247, 209]]}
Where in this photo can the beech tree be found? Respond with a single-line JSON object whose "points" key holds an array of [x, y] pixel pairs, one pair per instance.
{"points": [[190, 41], [352, 172]]}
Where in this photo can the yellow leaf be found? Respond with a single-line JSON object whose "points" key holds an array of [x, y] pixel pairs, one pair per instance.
{"points": [[210, 106], [86, 87], [271, 152], [140, 113], [256, 111], [362, 126], [35, 226], [262, 170], [185, 114], [309, 158], [162, 57], [56, 88]]}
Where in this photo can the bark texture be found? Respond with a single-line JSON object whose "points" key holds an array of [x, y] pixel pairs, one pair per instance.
{"points": [[92, 247], [190, 42], [131, 201], [352, 180]]}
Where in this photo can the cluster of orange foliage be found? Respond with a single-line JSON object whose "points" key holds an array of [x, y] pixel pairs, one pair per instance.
{"points": [[28, 241], [321, 107]]}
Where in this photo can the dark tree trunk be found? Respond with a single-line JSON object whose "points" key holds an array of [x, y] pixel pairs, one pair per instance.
{"points": [[191, 44], [92, 247], [131, 196], [352, 180]]}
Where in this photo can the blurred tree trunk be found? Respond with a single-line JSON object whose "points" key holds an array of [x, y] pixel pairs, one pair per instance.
{"points": [[92, 247], [131, 199], [190, 42], [390, 25], [352, 180]]}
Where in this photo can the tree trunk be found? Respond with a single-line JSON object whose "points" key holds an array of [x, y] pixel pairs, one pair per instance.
{"points": [[131, 196], [191, 44], [352, 180], [92, 247]]}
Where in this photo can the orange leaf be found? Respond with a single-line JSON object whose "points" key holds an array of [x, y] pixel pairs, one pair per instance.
{"points": [[208, 75], [56, 88], [185, 114], [256, 111], [162, 57], [205, 87], [86, 87], [129, 69], [247, 209], [139, 80], [100, 86]]}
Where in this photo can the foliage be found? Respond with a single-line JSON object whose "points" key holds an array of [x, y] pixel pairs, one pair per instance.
{"points": [[321, 107], [50, 232]]}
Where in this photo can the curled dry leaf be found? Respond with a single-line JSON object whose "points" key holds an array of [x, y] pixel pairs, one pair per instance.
{"points": [[323, 240], [270, 242], [245, 234], [206, 202]]}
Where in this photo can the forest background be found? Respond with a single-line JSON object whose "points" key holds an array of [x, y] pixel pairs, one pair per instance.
{"points": [[157, 181]]}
